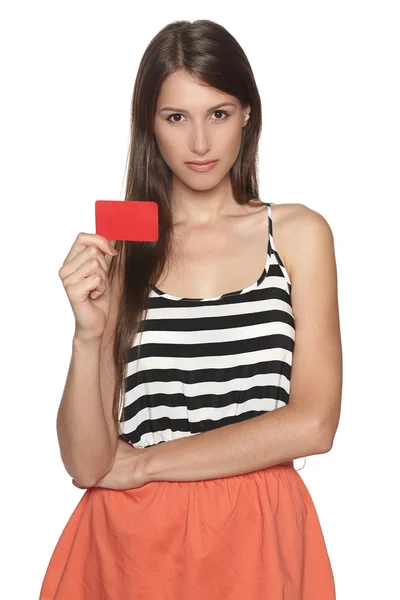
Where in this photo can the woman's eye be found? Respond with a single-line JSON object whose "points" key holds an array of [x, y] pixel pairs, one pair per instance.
{"points": [[222, 112], [172, 120]]}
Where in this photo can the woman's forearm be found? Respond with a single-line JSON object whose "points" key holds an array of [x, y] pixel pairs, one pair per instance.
{"points": [[273, 438], [84, 440]]}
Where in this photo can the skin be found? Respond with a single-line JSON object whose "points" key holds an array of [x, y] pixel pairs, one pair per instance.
{"points": [[225, 245]]}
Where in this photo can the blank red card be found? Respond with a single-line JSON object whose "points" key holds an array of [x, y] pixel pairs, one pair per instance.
{"points": [[127, 220]]}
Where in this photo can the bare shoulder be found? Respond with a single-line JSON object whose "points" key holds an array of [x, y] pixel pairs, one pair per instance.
{"points": [[296, 228]]}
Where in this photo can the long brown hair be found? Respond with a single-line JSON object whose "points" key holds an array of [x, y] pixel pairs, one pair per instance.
{"points": [[210, 53]]}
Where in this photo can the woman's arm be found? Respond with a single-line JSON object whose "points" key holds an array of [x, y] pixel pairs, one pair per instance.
{"points": [[86, 432]]}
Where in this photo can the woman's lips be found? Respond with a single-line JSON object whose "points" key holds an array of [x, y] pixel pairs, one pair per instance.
{"points": [[202, 167]]}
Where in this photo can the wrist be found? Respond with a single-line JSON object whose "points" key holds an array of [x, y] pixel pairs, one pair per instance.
{"points": [[79, 342], [145, 462]]}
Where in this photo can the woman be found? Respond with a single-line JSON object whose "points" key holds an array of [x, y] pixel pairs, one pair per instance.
{"points": [[198, 332]]}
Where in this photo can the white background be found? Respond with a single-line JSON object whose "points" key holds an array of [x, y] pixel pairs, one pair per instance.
{"points": [[328, 75]]}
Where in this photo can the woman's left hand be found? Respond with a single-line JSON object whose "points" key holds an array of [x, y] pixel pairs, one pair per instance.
{"points": [[127, 471]]}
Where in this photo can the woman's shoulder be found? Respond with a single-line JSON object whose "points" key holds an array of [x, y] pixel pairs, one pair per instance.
{"points": [[294, 224]]}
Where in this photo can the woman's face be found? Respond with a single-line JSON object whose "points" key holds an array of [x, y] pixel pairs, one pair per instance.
{"points": [[192, 129]]}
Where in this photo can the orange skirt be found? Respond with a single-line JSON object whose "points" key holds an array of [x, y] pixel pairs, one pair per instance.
{"points": [[254, 536]]}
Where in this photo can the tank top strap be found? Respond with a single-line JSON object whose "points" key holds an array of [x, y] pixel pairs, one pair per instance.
{"points": [[271, 245], [275, 256]]}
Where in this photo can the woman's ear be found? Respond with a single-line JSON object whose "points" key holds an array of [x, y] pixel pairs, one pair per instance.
{"points": [[246, 117]]}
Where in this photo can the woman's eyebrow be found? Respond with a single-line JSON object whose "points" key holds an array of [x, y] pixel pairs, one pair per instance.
{"points": [[211, 108]]}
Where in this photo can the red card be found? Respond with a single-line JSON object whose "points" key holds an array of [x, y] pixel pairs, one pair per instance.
{"points": [[128, 220]]}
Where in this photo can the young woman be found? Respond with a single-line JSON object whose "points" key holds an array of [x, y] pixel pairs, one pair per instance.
{"points": [[187, 401]]}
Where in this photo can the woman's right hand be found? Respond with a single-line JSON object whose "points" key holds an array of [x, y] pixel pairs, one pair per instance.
{"points": [[85, 279]]}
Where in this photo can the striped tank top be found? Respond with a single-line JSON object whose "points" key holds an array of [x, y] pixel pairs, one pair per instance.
{"points": [[206, 363]]}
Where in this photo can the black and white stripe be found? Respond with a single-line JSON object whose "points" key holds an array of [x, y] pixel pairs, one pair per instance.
{"points": [[207, 363]]}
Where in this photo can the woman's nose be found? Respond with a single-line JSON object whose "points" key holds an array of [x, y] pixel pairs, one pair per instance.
{"points": [[199, 141]]}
